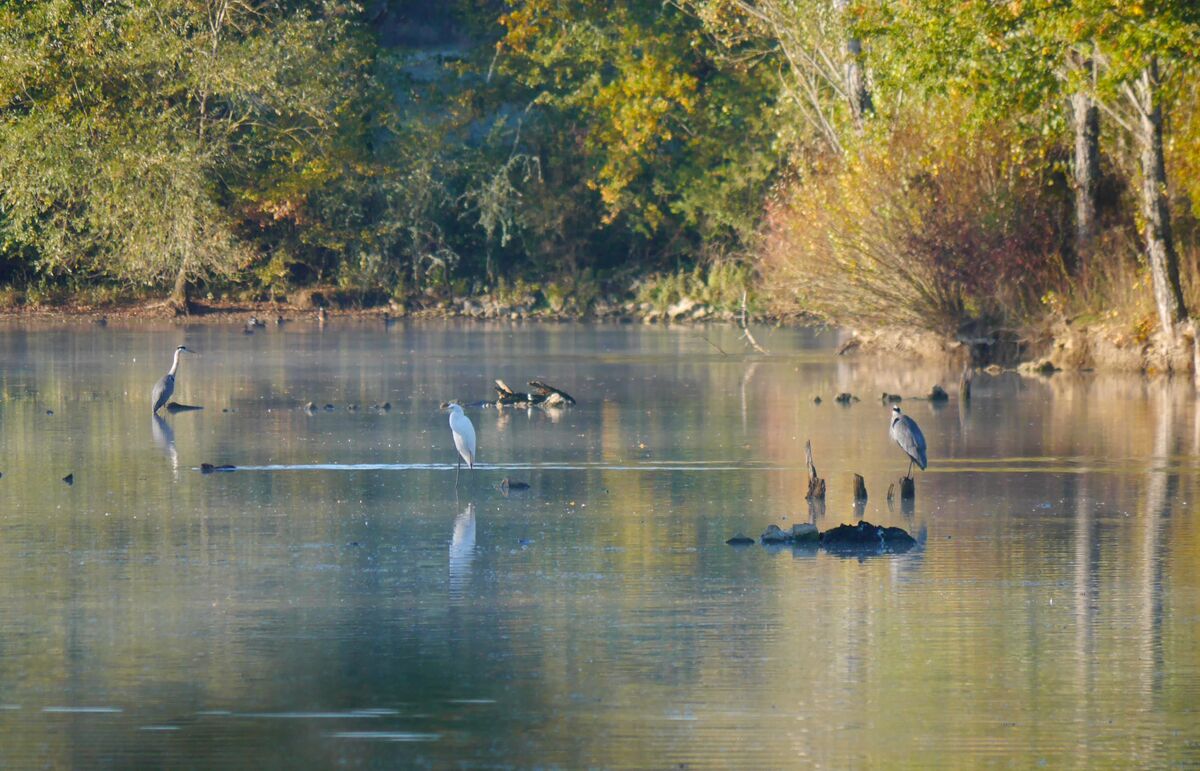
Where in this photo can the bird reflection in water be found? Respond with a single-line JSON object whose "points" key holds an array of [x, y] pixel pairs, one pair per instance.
{"points": [[164, 437], [462, 551]]}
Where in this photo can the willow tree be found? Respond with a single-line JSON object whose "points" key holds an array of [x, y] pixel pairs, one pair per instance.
{"points": [[128, 130]]}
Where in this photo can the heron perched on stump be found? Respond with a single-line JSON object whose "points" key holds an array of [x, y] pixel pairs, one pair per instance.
{"points": [[908, 435]]}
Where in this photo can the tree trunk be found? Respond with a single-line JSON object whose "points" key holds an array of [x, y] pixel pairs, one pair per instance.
{"points": [[856, 80], [1087, 176], [1160, 246], [179, 294]]}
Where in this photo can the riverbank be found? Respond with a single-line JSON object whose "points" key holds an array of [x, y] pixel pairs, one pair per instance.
{"points": [[1055, 346], [315, 307]]}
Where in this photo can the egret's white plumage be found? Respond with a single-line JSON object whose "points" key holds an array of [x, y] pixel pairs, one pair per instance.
{"points": [[908, 435], [464, 434]]}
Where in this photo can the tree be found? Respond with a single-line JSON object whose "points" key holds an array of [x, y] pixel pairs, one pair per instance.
{"points": [[131, 134]]}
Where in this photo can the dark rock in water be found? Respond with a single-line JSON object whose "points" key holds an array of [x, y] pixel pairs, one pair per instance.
{"points": [[865, 538], [938, 394], [208, 468], [386, 406], [816, 400], [891, 398], [845, 398], [49, 412], [69, 479], [329, 408], [174, 407], [352, 407], [740, 540], [1, 475]]}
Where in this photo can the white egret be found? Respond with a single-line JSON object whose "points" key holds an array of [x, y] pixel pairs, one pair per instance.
{"points": [[165, 387], [908, 435], [464, 437]]}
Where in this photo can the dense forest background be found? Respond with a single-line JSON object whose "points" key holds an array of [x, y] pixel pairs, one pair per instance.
{"points": [[930, 163]]}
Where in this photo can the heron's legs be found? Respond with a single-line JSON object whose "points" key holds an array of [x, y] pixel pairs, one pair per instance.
{"points": [[910, 465], [457, 470]]}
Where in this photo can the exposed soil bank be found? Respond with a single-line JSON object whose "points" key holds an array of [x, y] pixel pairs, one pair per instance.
{"points": [[486, 307], [1058, 346]]}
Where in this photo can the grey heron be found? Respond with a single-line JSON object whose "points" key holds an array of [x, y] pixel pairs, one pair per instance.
{"points": [[464, 437], [165, 387], [908, 435]]}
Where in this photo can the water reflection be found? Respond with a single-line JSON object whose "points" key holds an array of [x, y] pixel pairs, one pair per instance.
{"points": [[333, 601], [462, 552], [164, 439]]}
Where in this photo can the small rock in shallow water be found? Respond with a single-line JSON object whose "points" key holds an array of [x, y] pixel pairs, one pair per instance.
{"points": [[49, 412], [774, 534], [845, 398], [938, 394], [740, 540], [329, 408], [69, 479]]}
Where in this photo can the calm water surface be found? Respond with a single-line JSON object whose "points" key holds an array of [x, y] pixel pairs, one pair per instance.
{"points": [[343, 605]]}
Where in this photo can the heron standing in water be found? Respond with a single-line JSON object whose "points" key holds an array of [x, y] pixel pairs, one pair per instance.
{"points": [[464, 438], [908, 435], [165, 387]]}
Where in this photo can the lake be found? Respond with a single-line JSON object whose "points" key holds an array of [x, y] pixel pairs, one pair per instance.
{"points": [[342, 603]]}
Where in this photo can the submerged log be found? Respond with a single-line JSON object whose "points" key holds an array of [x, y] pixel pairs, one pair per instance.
{"points": [[208, 468], [174, 407], [860, 489], [505, 396], [907, 487], [865, 538], [549, 394], [816, 485]]}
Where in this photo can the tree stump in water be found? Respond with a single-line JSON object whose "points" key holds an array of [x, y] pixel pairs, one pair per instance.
{"points": [[860, 488], [816, 485], [908, 488]]}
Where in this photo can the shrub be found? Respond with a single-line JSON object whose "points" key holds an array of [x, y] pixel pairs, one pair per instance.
{"points": [[921, 229]]}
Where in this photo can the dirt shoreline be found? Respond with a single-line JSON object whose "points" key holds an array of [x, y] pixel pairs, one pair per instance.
{"points": [[1058, 346], [484, 309], [1055, 347]]}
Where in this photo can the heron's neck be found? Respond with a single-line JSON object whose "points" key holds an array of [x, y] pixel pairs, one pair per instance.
{"points": [[175, 364]]}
